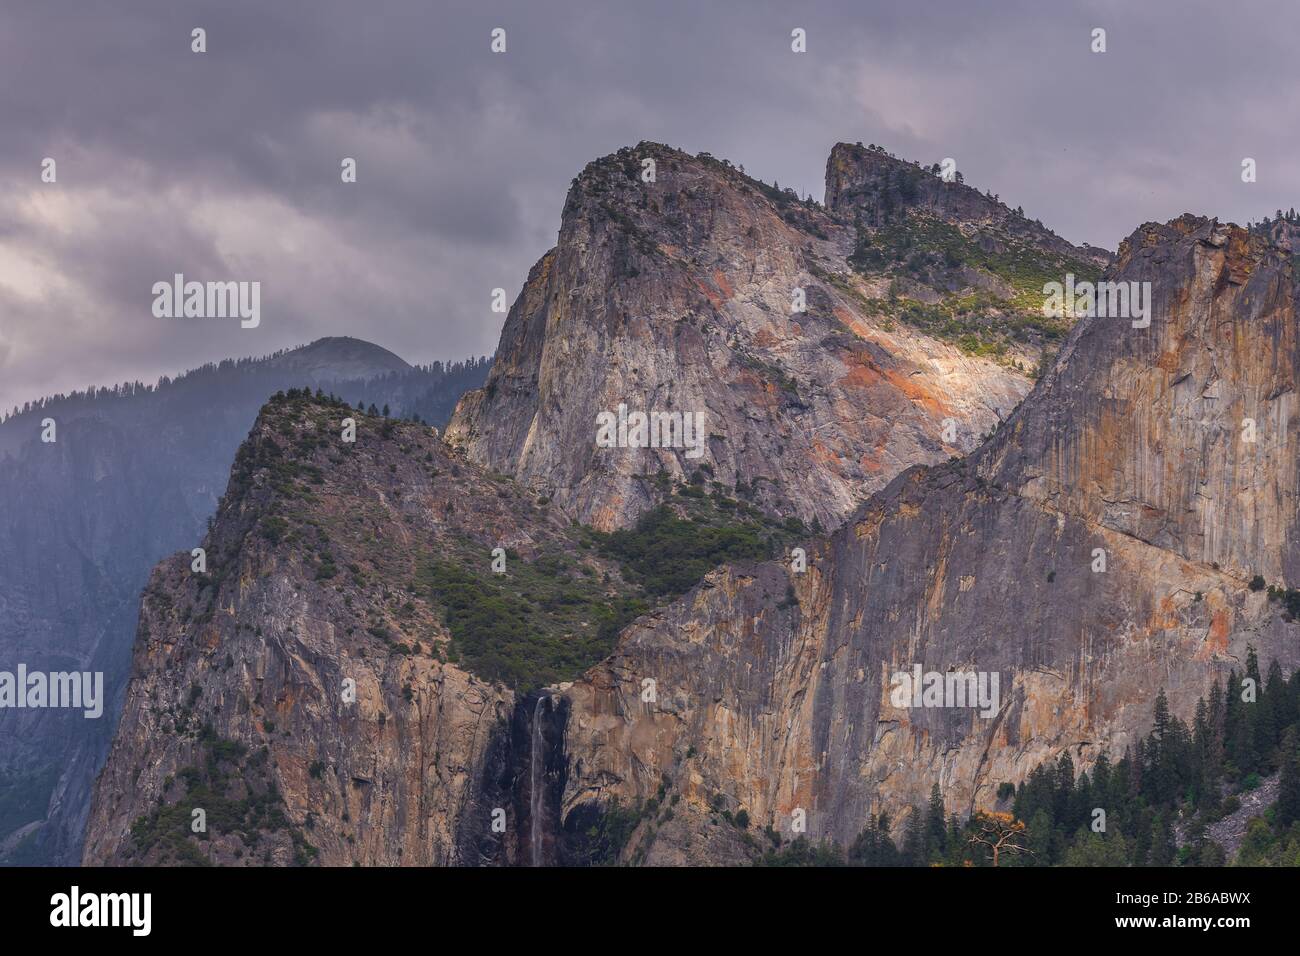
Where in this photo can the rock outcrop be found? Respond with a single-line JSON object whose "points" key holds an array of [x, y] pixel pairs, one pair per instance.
{"points": [[869, 186], [134, 475], [1161, 452], [704, 291], [1098, 546], [302, 691]]}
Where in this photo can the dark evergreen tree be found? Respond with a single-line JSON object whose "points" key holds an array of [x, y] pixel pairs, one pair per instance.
{"points": [[915, 851], [936, 831], [1063, 787], [1162, 839]]}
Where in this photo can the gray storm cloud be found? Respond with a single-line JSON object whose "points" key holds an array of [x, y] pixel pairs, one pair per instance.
{"points": [[225, 165]]}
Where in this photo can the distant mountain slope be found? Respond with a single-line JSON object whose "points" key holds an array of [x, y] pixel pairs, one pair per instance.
{"points": [[337, 358], [134, 475]]}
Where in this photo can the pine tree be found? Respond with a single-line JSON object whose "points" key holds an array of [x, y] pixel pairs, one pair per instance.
{"points": [[1138, 769], [1272, 717], [999, 835], [1101, 778], [1142, 827], [1121, 782], [936, 833], [1233, 718], [1208, 753], [1176, 763], [873, 846], [1162, 840], [1042, 838], [957, 848], [1244, 755], [915, 851], [1082, 800], [1160, 717], [1063, 788]]}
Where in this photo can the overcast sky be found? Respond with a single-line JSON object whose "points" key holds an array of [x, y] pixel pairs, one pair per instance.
{"points": [[225, 165]]}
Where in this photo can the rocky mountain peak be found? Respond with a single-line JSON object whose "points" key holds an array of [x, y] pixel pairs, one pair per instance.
{"points": [[681, 285], [1110, 541], [134, 475], [868, 185], [871, 183], [307, 681], [1104, 544]]}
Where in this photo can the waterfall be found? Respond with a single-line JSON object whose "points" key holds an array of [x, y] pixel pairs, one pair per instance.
{"points": [[536, 769]]}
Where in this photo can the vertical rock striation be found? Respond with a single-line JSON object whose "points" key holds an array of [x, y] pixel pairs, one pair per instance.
{"points": [[678, 295], [1133, 445]]}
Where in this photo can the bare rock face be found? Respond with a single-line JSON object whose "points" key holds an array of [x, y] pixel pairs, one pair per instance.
{"points": [[133, 477], [1180, 435], [336, 686], [682, 295], [1131, 452], [302, 691]]}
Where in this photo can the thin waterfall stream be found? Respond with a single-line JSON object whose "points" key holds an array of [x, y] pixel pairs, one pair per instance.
{"points": [[537, 768]]}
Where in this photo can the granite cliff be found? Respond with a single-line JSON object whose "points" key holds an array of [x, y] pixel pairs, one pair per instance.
{"points": [[304, 689], [1097, 549], [134, 475], [706, 291], [1098, 543]]}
